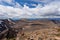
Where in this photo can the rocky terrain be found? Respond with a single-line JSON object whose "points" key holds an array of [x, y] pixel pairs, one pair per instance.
{"points": [[25, 29]]}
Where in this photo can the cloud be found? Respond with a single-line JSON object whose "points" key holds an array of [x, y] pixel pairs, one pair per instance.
{"points": [[12, 3], [7, 1], [51, 9], [48, 10]]}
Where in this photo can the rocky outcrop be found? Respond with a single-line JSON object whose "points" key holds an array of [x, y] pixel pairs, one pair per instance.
{"points": [[6, 29]]}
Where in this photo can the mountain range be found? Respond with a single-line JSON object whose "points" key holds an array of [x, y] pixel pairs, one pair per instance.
{"points": [[10, 28]]}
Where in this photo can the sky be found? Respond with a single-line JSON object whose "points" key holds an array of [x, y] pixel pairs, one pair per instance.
{"points": [[16, 9]]}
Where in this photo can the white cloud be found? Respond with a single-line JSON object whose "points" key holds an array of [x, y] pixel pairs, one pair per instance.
{"points": [[17, 5], [10, 2], [7, 1], [50, 9]]}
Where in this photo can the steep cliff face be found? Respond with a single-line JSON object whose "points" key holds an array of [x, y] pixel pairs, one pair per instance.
{"points": [[6, 29], [3, 28]]}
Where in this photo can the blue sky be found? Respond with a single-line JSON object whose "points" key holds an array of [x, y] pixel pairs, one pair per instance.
{"points": [[28, 3], [29, 9]]}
